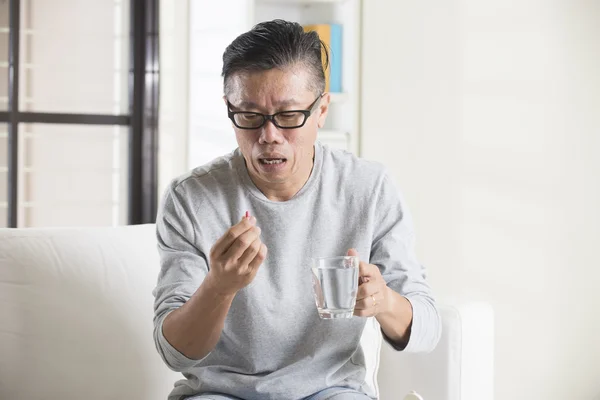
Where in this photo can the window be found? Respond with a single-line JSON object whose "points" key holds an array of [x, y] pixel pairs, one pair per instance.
{"points": [[73, 175], [78, 112]]}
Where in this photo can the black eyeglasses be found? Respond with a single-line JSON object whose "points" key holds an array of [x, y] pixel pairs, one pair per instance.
{"points": [[290, 119]]}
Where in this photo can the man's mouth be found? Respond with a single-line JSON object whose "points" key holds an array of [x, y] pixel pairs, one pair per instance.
{"points": [[272, 161]]}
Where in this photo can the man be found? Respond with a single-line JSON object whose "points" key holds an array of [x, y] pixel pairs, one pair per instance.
{"points": [[234, 307]]}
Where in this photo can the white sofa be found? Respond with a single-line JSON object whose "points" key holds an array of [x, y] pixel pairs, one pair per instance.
{"points": [[76, 323]]}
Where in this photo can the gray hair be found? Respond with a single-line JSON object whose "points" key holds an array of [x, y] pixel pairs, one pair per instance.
{"points": [[276, 44]]}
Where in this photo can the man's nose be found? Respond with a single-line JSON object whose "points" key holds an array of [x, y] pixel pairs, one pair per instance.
{"points": [[269, 133]]}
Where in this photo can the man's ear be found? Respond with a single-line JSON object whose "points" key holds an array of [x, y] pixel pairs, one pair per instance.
{"points": [[323, 109]]}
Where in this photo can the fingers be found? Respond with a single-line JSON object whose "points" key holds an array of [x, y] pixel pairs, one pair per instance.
{"points": [[362, 276], [260, 257], [367, 271], [369, 306], [242, 243], [222, 245], [369, 302], [369, 297], [236, 256], [366, 289], [250, 252]]}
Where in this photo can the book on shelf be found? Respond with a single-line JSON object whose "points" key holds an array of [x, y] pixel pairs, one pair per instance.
{"points": [[331, 35]]}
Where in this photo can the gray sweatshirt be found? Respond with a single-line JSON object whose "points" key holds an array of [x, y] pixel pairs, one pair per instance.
{"points": [[273, 344]]}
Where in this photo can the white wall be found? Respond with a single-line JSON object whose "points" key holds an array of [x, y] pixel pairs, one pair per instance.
{"points": [[487, 113]]}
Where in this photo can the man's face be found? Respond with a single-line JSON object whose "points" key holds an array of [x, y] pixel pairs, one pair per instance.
{"points": [[274, 155]]}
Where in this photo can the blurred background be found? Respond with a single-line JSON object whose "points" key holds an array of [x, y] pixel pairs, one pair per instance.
{"points": [[486, 113]]}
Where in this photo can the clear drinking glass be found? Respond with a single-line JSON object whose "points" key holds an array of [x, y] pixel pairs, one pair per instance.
{"points": [[335, 281]]}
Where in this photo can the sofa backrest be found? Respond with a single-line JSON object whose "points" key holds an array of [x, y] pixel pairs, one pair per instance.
{"points": [[76, 315]]}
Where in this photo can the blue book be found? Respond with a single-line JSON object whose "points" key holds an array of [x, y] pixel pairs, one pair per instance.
{"points": [[335, 85]]}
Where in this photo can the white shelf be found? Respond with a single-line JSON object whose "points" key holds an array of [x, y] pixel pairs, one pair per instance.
{"points": [[338, 97]]}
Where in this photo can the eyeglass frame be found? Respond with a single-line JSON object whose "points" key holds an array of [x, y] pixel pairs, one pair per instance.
{"points": [[271, 117]]}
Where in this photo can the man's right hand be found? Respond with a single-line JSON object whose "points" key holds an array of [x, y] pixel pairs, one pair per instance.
{"points": [[236, 256], [195, 328]]}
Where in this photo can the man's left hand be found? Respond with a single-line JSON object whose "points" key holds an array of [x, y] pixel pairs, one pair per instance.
{"points": [[372, 296]]}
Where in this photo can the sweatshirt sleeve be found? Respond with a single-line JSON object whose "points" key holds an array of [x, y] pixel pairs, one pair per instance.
{"points": [[182, 270], [393, 252]]}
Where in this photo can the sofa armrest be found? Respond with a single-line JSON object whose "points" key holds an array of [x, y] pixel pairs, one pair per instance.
{"points": [[460, 368]]}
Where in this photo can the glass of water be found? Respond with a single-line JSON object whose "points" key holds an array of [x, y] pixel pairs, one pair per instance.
{"points": [[335, 281]]}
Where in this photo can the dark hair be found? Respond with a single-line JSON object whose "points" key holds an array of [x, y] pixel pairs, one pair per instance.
{"points": [[276, 44]]}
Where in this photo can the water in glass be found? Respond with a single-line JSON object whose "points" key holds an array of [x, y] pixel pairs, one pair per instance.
{"points": [[335, 288]]}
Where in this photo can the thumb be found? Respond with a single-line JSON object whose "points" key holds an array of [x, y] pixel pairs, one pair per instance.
{"points": [[352, 252]]}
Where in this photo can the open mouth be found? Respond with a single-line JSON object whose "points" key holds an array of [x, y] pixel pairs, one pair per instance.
{"points": [[272, 161]]}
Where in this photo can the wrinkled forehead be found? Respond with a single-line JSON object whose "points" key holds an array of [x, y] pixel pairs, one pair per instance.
{"points": [[271, 87]]}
